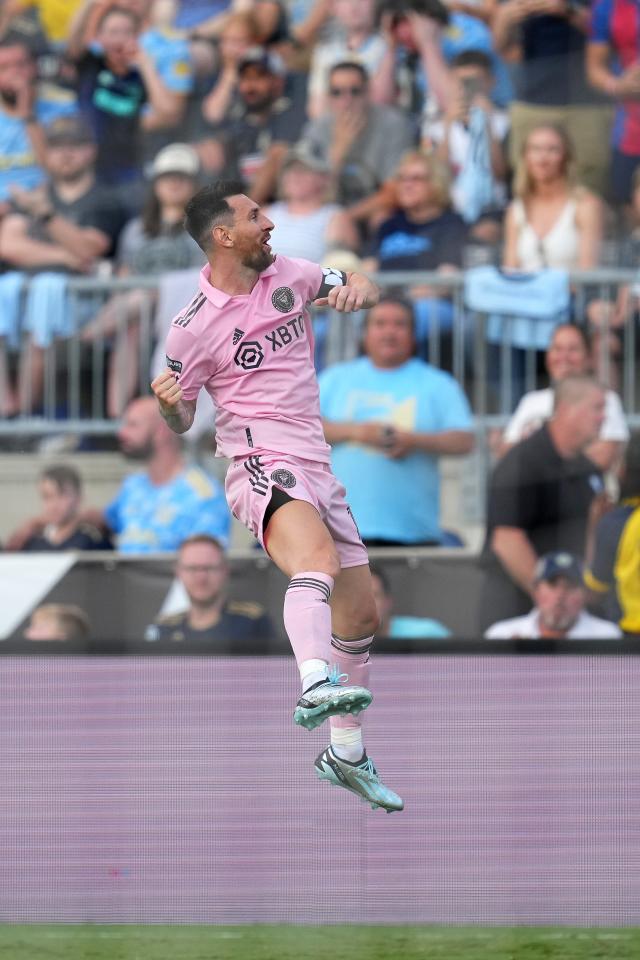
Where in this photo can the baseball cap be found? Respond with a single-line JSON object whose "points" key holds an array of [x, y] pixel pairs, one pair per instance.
{"points": [[265, 59], [559, 564], [176, 158], [71, 130], [301, 153]]}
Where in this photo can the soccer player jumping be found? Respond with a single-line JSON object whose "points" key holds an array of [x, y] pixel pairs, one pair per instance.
{"points": [[246, 337]]}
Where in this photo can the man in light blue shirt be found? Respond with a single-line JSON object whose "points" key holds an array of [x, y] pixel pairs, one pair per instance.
{"points": [[389, 417], [155, 510]]}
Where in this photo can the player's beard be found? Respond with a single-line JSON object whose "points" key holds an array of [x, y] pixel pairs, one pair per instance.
{"points": [[258, 260]]}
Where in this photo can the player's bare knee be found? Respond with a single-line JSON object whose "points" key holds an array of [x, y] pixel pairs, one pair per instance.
{"points": [[367, 621], [362, 619], [323, 560]]}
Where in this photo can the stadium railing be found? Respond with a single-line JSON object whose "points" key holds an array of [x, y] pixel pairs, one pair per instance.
{"points": [[454, 337]]}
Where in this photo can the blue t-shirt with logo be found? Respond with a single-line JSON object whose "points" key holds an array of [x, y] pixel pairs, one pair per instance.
{"points": [[395, 500], [402, 244], [147, 518]]}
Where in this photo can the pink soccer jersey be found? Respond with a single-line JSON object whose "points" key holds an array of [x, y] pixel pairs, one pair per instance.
{"points": [[254, 356]]}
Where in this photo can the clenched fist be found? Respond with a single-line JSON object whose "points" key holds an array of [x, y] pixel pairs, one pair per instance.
{"points": [[167, 389]]}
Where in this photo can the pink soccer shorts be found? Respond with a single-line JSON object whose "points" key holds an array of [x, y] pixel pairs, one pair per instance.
{"points": [[250, 481]]}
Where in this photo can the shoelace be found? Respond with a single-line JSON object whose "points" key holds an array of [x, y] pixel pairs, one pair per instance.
{"points": [[335, 677], [368, 769]]}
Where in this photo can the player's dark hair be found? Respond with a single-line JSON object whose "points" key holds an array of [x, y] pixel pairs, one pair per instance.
{"points": [[350, 65], [630, 480], [473, 58], [209, 207], [63, 477]]}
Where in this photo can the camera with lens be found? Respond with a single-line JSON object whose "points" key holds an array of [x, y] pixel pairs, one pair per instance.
{"points": [[434, 9]]}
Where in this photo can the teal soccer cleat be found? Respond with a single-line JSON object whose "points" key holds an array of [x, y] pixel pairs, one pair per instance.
{"points": [[329, 698], [361, 778]]}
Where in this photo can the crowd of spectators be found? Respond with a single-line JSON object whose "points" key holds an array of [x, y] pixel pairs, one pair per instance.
{"points": [[409, 135]]}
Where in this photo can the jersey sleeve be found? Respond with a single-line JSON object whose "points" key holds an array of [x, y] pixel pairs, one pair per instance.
{"points": [[190, 364], [317, 281], [203, 509], [113, 511]]}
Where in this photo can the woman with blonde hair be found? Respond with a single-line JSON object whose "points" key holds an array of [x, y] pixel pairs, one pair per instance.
{"points": [[551, 222]]}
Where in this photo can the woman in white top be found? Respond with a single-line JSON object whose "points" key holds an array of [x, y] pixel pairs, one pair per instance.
{"points": [[568, 355], [551, 222]]}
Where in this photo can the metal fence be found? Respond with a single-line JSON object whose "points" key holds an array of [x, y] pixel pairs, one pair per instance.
{"points": [[76, 373]]}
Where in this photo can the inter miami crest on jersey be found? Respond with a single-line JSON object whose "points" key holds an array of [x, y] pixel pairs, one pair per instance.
{"points": [[283, 299]]}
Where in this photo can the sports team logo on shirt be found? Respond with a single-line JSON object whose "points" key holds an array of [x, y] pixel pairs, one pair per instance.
{"points": [[249, 355], [283, 299], [283, 478]]}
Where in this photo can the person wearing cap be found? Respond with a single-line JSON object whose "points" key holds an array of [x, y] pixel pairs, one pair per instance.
{"points": [[152, 245], [264, 122], [544, 495], [613, 572], [66, 227], [559, 595]]}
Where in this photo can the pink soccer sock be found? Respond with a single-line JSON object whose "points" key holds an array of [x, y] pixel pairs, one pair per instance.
{"points": [[352, 658], [307, 616]]}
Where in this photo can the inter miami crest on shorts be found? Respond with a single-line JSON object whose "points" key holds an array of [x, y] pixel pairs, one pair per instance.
{"points": [[283, 299], [284, 478]]}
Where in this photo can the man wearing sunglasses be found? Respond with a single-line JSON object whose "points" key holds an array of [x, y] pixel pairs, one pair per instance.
{"points": [[361, 141]]}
